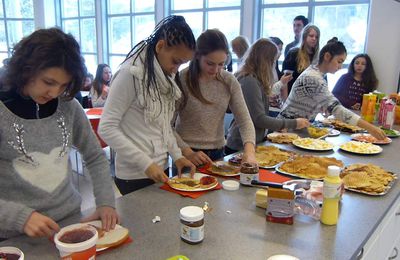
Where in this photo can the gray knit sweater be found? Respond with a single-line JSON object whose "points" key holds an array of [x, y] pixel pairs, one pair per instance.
{"points": [[258, 104], [201, 126], [35, 170], [310, 95]]}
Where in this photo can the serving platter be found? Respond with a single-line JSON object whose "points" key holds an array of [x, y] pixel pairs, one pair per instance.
{"points": [[197, 176], [357, 147], [300, 176], [313, 144], [391, 132]]}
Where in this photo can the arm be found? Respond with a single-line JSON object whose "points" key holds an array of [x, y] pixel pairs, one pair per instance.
{"points": [[243, 119], [122, 94], [253, 94], [86, 142]]}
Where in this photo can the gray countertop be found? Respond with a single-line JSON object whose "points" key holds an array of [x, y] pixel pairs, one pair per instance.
{"points": [[235, 228]]}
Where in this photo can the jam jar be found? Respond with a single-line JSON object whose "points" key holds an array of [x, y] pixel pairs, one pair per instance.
{"points": [[192, 224], [248, 172]]}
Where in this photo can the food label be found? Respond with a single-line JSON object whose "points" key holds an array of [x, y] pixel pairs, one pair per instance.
{"points": [[331, 190], [246, 178], [280, 208], [192, 234]]}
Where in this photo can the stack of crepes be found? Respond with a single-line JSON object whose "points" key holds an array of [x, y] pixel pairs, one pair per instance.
{"points": [[309, 167], [369, 178], [269, 156], [342, 126]]}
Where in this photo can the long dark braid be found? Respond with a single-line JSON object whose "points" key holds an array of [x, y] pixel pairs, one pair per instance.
{"points": [[174, 30]]}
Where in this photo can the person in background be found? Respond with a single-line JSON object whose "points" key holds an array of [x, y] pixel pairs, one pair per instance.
{"points": [[299, 58], [239, 46], [87, 84], [359, 80], [279, 43], [256, 79], [40, 122], [299, 22], [311, 95], [208, 92], [100, 86], [136, 121]]}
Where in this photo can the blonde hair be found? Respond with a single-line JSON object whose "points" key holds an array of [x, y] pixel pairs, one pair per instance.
{"points": [[242, 45], [303, 57], [259, 63]]}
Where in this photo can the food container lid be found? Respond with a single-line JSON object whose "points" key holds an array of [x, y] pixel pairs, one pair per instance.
{"points": [[191, 213], [12, 250], [75, 247], [230, 185]]}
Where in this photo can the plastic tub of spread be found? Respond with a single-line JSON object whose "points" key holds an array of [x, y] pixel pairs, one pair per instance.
{"points": [[77, 242]]}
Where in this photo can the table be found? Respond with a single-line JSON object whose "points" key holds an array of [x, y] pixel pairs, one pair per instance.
{"points": [[244, 233]]}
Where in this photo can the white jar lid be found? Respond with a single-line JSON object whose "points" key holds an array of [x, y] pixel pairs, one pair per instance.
{"points": [[230, 185], [191, 213]]}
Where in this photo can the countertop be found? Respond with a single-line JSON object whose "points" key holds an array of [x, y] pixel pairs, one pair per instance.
{"points": [[235, 228]]}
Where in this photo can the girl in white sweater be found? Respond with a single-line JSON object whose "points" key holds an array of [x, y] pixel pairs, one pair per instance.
{"points": [[136, 120]]}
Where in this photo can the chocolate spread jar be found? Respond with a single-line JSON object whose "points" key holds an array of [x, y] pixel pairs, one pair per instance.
{"points": [[248, 172], [192, 224]]}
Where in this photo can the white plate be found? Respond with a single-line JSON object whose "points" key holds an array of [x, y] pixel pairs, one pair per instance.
{"points": [[222, 174], [298, 143], [358, 137], [377, 148], [97, 223], [197, 176]]}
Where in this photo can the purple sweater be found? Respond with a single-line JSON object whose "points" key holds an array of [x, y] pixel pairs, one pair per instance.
{"points": [[349, 91]]}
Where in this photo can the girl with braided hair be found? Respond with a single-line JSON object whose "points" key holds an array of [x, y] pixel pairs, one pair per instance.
{"points": [[136, 120]]}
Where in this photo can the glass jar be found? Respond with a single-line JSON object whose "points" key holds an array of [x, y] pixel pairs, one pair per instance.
{"points": [[192, 224], [248, 172]]}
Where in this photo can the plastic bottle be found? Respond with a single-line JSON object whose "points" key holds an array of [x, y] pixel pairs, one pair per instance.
{"points": [[331, 193]]}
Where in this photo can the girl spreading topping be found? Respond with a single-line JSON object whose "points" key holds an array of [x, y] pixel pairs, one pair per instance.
{"points": [[40, 121], [311, 95], [209, 91], [136, 121]]}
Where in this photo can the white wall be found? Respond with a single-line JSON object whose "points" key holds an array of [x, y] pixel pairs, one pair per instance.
{"points": [[383, 42]]}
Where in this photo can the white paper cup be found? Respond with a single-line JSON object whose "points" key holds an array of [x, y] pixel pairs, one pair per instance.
{"points": [[77, 251], [12, 250]]}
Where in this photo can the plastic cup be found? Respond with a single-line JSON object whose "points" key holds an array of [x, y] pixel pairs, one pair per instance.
{"points": [[12, 250], [77, 251]]}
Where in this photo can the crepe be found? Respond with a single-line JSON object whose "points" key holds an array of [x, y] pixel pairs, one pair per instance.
{"points": [[342, 126], [282, 138], [223, 168], [310, 167], [368, 178], [188, 184], [268, 156]]}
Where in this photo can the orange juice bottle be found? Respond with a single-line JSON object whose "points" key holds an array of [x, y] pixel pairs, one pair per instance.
{"points": [[368, 107], [331, 193]]}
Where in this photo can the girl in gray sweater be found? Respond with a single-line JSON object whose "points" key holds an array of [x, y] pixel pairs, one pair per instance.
{"points": [[256, 79], [40, 121]]}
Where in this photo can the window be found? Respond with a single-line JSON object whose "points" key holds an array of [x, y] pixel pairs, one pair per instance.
{"points": [[16, 21], [78, 17], [224, 15], [129, 22], [345, 19]]}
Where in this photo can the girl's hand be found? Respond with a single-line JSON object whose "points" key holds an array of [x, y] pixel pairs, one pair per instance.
{"points": [[198, 158], [249, 153], [286, 78], [108, 216], [356, 106], [302, 123], [155, 173], [182, 163], [39, 225]]}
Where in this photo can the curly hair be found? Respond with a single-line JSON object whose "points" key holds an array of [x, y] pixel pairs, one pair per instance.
{"points": [[41, 50]]}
